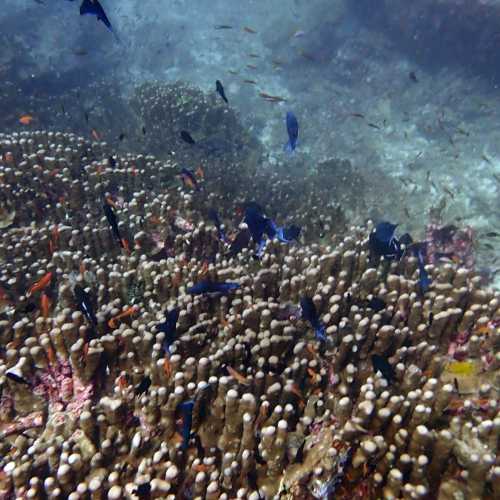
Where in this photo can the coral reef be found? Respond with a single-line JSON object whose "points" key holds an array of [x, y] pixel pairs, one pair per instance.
{"points": [[93, 411], [166, 109]]}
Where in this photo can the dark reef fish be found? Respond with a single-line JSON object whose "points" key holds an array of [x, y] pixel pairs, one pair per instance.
{"points": [[84, 303], [187, 420], [143, 385], [93, 7], [143, 491], [241, 241], [207, 286], [214, 217], [186, 137], [113, 222], [424, 280], [380, 364], [310, 314], [413, 77], [292, 127], [169, 328], [220, 90], [258, 225], [384, 243]]}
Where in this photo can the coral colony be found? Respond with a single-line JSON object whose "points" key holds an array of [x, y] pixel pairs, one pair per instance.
{"points": [[119, 381]]}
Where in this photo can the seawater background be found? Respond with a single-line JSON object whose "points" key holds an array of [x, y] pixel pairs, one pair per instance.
{"points": [[435, 137]]}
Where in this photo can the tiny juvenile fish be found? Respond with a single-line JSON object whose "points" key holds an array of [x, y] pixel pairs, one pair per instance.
{"points": [[121, 137], [413, 76], [249, 30], [272, 98], [186, 137], [223, 27], [251, 82], [220, 90]]}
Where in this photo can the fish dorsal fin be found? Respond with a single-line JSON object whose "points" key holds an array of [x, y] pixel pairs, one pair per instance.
{"points": [[87, 7]]}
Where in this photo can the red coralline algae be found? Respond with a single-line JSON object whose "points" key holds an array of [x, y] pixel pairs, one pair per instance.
{"points": [[63, 389], [448, 242]]}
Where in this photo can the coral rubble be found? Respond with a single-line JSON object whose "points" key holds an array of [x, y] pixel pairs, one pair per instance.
{"points": [[94, 411]]}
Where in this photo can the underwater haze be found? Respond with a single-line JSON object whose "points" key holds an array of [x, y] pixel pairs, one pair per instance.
{"points": [[249, 249]]}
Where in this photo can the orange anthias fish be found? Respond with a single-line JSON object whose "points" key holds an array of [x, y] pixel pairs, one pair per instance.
{"points": [[126, 246], [45, 305], [40, 284], [167, 367], [25, 119], [112, 323], [95, 134], [200, 173], [238, 376]]}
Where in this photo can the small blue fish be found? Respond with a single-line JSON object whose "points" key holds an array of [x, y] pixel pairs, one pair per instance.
{"points": [[214, 217], [383, 241], [424, 281], [310, 314], [241, 241], [187, 420], [207, 286], [288, 234], [292, 127], [94, 8], [169, 328]]}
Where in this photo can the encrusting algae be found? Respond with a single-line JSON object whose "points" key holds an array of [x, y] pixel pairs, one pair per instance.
{"points": [[233, 395]]}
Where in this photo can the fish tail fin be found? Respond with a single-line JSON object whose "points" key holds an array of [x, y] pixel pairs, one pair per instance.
{"points": [[320, 333], [288, 147]]}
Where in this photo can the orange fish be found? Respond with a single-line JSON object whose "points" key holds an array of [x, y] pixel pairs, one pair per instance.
{"points": [[482, 330], [95, 134], [40, 284], [51, 355], [204, 269], [111, 202], [312, 373], [25, 119], [9, 157], [122, 381], [200, 173], [167, 367], [126, 246], [154, 219], [238, 376], [130, 311], [177, 279], [45, 305]]}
